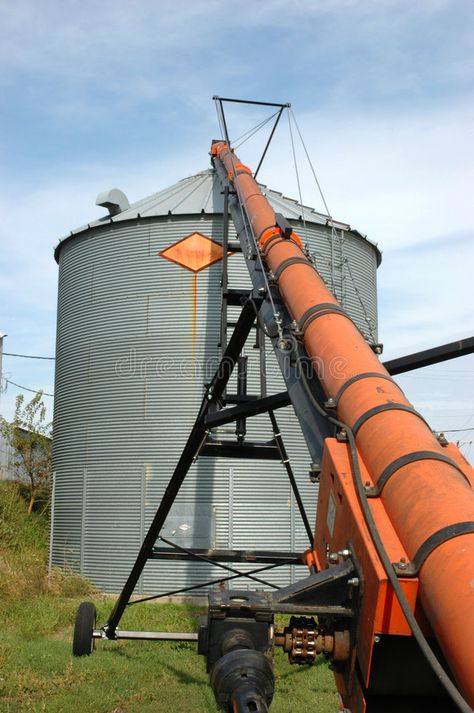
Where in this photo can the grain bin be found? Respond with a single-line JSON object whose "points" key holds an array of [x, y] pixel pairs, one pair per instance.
{"points": [[137, 336]]}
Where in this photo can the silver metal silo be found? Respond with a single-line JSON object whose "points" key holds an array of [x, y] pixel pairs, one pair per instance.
{"points": [[137, 336]]}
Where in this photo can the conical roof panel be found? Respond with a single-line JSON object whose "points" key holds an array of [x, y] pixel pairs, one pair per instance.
{"points": [[202, 193]]}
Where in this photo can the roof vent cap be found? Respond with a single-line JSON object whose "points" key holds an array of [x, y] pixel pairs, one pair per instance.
{"points": [[114, 200]]}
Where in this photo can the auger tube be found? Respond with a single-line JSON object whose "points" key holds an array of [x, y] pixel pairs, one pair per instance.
{"points": [[428, 497]]}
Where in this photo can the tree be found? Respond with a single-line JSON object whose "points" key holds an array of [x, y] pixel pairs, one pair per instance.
{"points": [[29, 436]]}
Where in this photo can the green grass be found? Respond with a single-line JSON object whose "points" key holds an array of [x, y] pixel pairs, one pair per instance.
{"points": [[39, 673]]}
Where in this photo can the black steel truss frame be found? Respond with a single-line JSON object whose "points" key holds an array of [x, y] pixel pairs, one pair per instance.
{"points": [[317, 592], [251, 101], [197, 436], [220, 101], [211, 414]]}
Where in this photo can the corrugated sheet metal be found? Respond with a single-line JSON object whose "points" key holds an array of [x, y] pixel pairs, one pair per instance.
{"points": [[137, 337]]}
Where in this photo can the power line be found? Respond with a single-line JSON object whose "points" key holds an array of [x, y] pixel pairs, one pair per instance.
{"points": [[33, 391], [28, 356], [455, 430]]}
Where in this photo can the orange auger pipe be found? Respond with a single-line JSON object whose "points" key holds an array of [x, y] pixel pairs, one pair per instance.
{"points": [[422, 496]]}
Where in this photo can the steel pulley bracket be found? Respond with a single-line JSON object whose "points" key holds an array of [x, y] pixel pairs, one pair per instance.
{"points": [[318, 593]]}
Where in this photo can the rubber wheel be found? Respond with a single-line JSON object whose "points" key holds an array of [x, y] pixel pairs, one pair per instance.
{"points": [[83, 642]]}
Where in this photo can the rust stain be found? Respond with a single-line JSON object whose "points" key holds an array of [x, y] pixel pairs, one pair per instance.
{"points": [[194, 315]]}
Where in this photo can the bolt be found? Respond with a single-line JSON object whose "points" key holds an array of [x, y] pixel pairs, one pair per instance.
{"points": [[376, 639], [333, 557], [378, 350], [284, 345], [354, 582], [315, 472], [262, 290], [294, 324], [344, 553], [330, 403], [402, 564]]}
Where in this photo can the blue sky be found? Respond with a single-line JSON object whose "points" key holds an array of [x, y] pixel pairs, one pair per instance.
{"points": [[106, 94]]}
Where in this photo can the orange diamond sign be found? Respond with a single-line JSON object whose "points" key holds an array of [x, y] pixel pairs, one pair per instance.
{"points": [[195, 252]]}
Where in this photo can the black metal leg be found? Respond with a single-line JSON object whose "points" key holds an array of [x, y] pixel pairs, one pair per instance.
{"points": [[289, 470], [196, 437], [430, 356]]}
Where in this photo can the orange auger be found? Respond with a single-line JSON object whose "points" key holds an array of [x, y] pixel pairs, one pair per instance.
{"points": [[427, 494]]}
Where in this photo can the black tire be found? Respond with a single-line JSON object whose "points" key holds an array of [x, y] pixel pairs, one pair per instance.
{"points": [[83, 642]]}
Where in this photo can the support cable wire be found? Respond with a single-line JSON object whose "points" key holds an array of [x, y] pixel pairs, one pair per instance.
{"points": [[296, 168], [251, 132], [331, 240], [202, 558], [333, 229], [269, 140], [211, 582], [311, 165], [426, 650]]}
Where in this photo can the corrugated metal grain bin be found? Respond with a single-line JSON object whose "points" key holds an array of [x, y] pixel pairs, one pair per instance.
{"points": [[137, 337]]}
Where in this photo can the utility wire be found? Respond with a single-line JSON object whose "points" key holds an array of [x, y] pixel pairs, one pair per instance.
{"points": [[455, 430], [28, 356], [33, 391]]}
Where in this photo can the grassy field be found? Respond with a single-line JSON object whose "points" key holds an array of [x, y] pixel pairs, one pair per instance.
{"points": [[38, 672]]}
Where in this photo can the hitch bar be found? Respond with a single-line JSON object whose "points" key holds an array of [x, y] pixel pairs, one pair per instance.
{"points": [[148, 635]]}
